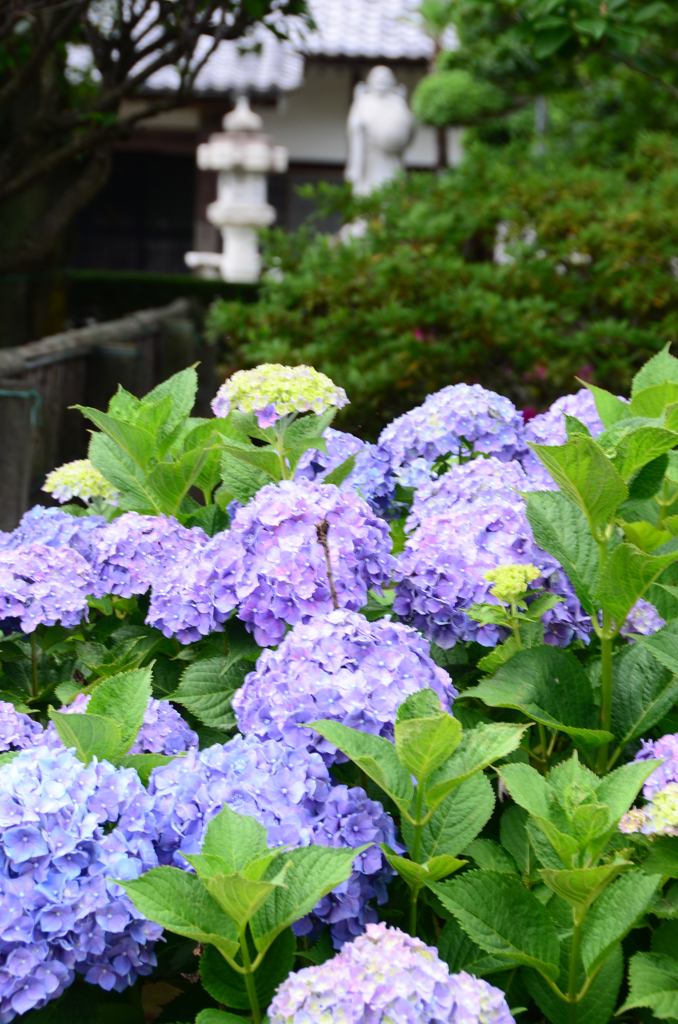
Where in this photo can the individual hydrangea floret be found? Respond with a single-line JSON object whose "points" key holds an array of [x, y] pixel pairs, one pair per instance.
{"points": [[341, 667], [460, 420], [163, 730], [135, 550], [442, 570], [387, 977], [371, 476], [272, 390], [291, 793], [55, 528], [17, 730], [66, 830], [270, 566], [79, 479], [42, 585]]}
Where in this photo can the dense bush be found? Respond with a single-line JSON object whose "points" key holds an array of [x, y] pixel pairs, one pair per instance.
{"points": [[585, 286]]}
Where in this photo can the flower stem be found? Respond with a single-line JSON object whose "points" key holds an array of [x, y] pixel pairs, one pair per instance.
{"points": [[415, 854], [249, 979], [574, 970], [34, 665], [321, 532], [606, 689]]}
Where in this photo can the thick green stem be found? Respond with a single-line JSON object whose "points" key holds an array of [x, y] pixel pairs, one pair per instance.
{"points": [[34, 665], [606, 689], [573, 977], [207, 496], [249, 979], [415, 853]]}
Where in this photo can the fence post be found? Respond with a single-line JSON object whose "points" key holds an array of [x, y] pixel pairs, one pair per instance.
{"points": [[19, 408]]}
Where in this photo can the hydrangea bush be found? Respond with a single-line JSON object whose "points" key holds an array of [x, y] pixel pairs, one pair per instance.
{"points": [[272, 724]]}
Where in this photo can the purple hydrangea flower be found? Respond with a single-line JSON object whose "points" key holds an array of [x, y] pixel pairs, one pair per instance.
{"points": [[642, 620], [59, 911], [461, 419], [17, 730], [135, 550], [44, 585], [387, 977], [163, 730], [341, 667], [55, 528], [665, 749], [478, 522], [291, 793], [371, 476], [270, 566]]}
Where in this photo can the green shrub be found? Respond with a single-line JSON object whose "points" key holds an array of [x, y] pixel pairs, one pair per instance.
{"points": [[455, 98]]}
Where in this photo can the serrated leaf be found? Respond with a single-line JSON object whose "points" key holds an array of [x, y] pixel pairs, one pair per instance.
{"points": [[424, 744], [170, 482], [514, 838], [531, 635], [240, 897], [662, 367], [240, 480], [586, 476], [627, 574], [124, 698], [417, 875], [614, 914], [238, 838], [340, 472], [610, 408], [648, 480], [663, 858], [7, 757], [91, 735], [597, 1006], [143, 764], [227, 986], [503, 917], [560, 528], [491, 856], [652, 401], [178, 901], [314, 871], [548, 685], [643, 691], [265, 460], [461, 953], [120, 471], [207, 688], [375, 755], [182, 387], [478, 748], [653, 981], [306, 428], [645, 536], [212, 1016], [638, 447], [456, 821], [663, 645], [581, 886], [137, 443]]}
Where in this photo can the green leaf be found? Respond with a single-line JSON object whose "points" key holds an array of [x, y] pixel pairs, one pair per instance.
{"points": [[648, 480], [240, 480], [178, 901], [610, 408], [627, 574], [124, 698], [183, 387], [423, 744], [663, 645], [375, 755], [597, 1006], [653, 400], [207, 688], [91, 735], [265, 460], [645, 536], [416, 875], [586, 476], [212, 1016], [323, 949], [491, 856], [643, 691], [581, 886], [456, 821], [662, 367], [665, 939], [238, 838], [143, 764], [171, 481], [120, 470], [620, 788], [340, 472], [550, 686], [314, 871], [227, 986], [479, 747], [7, 757], [653, 981], [503, 917], [531, 635], [575, 427], [663, 859], [560, 528], [306, 428], [461, 953], [240, 897], [549, 42], [514, 838], [137, 443], [641, 446]]}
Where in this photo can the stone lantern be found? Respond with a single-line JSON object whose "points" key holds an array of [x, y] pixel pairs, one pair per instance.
{"points": [[243, 157]]}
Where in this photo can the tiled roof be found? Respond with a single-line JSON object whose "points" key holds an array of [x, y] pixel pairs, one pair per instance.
{"points": [[369, 29]]}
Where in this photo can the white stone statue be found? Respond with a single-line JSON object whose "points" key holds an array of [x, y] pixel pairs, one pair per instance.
{"points": [[380, 128], [243, 157]]}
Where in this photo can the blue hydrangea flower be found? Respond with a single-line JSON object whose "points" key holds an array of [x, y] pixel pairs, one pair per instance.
{"points": [[44, 585], [163, 730], [291, 793], [59, 911], [387, 977], [642, 620], [270, 566], [55, 528], [371, 476], [17, 730], [342, 667], [461, 419], [478, 522], [665, 749]]}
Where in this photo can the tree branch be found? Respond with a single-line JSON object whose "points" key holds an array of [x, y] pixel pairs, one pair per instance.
{"points": [[648, 74]]}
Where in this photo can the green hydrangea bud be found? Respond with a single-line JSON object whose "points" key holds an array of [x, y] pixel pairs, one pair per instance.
{"points": [[510, 581], [79, 479]]}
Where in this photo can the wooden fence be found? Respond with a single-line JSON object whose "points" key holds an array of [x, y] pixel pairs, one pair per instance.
{"points": [[41, 380]]}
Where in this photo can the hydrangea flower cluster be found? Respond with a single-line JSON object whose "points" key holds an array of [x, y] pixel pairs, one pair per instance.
{"points": [[271, 567], [666, 750], [272, 390], [478, 523], [59, 911], [163, 730], [460, 419], [387, 977], [44, 585], [643, 620], [371, 476], [56, 529], [341, 667], [17, 730], [290, 792], [135, 550], [79, 479], [660, 815]]}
